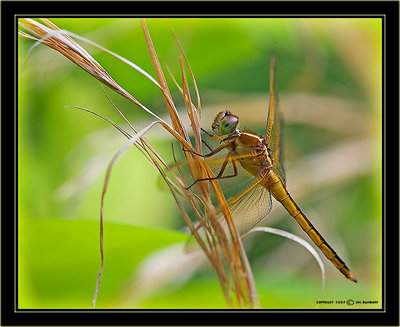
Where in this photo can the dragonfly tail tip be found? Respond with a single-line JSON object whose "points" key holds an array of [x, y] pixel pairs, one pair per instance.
{"points": [[352, 278]]}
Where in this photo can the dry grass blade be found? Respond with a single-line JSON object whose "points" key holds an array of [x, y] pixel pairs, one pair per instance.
{"points": [[223, 250], [126, 146], [125, 133], [117, 56], [190, 70], [196, 166], [189, 108], [60, 41], [232, 251], [176, 121]]}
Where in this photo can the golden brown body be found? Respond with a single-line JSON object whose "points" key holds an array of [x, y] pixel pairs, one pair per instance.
{"points": [[251, 151], [259, 156]]}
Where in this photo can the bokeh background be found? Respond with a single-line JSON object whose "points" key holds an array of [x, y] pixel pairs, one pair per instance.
{"points": [[330, 95]]}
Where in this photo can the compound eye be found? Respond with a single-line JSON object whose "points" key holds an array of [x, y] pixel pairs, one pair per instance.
{"points": [[228, 124], [217, 121]]}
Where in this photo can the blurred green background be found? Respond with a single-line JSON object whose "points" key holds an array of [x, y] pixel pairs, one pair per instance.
{"points": [[329, 81]]}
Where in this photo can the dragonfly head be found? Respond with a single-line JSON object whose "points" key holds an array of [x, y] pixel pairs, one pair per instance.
{"points": [[225, 123]]}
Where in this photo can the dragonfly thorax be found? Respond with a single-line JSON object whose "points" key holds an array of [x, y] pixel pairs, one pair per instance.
{"points": [[252, 152], [250, 149]]}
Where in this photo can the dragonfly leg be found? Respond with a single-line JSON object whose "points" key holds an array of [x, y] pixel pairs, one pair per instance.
{"points": [[206, 144], [219, 176], [212, 151], [214, 137], [216, 150]]}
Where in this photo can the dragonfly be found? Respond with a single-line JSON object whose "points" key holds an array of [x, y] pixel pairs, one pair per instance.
{"points": [[259, 157]]}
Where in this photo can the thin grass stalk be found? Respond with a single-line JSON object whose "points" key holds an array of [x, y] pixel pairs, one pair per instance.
{"points": [[198, 173], [191, 73], [61, 42], [57, 39], [189, 109], [223, 278], [176, 121], [232, 256], [133, 141]]}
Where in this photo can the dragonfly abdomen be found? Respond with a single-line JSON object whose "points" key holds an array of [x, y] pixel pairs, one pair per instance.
{"points": [[280, 193]]}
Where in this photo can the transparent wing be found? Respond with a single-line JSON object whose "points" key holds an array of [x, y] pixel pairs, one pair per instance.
{"points": [[249, 206], [248, 200], [271, 106], [274, 122]]}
